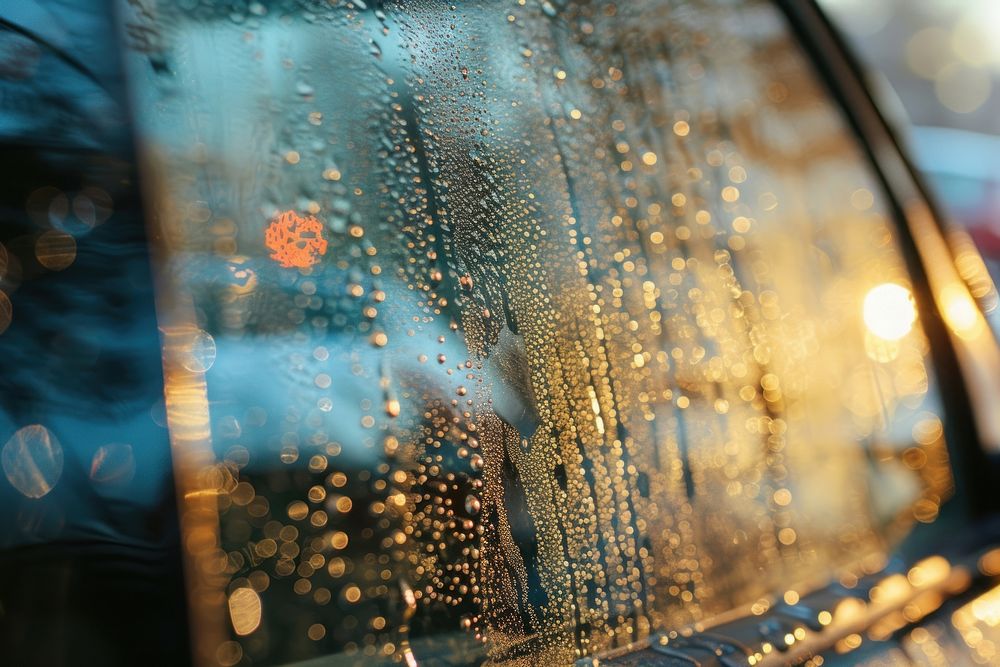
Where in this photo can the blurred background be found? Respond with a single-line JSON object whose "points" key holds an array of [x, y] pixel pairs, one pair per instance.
{"points": [[935, 68]]}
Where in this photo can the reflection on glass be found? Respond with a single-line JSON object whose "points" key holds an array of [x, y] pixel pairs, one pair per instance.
{"points": [[536, 326]]}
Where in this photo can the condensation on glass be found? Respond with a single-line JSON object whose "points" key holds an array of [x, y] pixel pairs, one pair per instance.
{"points": [[524, 328]]}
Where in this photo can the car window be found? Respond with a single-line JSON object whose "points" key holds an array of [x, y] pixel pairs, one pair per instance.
{"points": [[519, 329]]}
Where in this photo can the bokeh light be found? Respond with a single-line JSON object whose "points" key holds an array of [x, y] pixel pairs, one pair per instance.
{"points": [[889, 312]]}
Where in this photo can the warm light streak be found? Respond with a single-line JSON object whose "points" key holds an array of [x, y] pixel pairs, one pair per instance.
{"points": [[961, 312]]}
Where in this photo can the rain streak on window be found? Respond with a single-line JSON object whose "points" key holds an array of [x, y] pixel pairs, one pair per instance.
{"points": [[537, 325]]}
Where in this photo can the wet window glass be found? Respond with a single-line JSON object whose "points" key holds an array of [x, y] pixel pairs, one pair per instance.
{"points": [[518, 330]]}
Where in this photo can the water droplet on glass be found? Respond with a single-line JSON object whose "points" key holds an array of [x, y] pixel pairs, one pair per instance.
{"points": [[229, 427], [199, 354], [55, 250], [92, 206], [158, 413], [113, 463], [32, 460], [245, 610]]}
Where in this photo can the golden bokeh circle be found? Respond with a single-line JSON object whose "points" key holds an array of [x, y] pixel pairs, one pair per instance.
{"points": [[55, 250]]}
